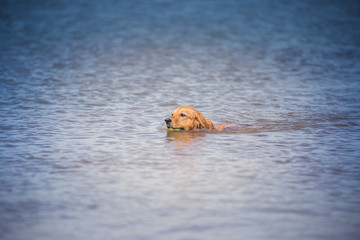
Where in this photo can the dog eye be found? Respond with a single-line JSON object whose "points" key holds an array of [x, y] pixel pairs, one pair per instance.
{"points": [[182, 115]]}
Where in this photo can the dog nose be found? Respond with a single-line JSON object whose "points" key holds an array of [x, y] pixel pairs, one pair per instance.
{"points": [[167, 120]]}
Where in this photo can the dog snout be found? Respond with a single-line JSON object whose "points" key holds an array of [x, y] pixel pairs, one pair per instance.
{"points": [[167, 120]]}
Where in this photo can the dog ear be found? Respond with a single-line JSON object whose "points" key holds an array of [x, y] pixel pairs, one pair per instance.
{"points": [[197, 124], [201, 122]]}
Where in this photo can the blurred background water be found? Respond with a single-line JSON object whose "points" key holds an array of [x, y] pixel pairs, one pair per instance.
{"points": [[85, 86]]}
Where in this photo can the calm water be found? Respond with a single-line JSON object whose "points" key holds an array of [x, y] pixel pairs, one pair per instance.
{"points": [[85, 87]]}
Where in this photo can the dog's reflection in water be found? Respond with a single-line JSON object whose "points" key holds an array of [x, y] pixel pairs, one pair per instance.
{"points": [[184, 139]]}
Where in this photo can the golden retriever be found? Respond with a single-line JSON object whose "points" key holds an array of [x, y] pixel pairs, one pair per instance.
{"points": [[187, 118]]}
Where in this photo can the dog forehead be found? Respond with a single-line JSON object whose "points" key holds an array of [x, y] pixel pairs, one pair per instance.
{"points": [[184, 109]]}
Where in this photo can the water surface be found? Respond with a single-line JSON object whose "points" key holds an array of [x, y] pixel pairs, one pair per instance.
{"points": [[84, 89]]}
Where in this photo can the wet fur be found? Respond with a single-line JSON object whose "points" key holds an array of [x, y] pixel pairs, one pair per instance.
{"points": [[187, 118]]}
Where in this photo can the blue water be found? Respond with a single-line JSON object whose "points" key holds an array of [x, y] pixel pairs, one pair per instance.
{"points": [[85, 87]]}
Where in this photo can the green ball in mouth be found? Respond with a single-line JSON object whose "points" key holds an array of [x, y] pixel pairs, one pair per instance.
{"points": [[174, 129]]}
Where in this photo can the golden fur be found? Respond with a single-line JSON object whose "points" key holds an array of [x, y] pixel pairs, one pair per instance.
{"points": [[187, 118]]}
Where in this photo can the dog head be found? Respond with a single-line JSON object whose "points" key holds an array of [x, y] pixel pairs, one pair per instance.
{"points": [[187, 118]]}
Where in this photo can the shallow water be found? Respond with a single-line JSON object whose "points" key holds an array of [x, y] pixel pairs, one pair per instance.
{"points": [[85, 87]]}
